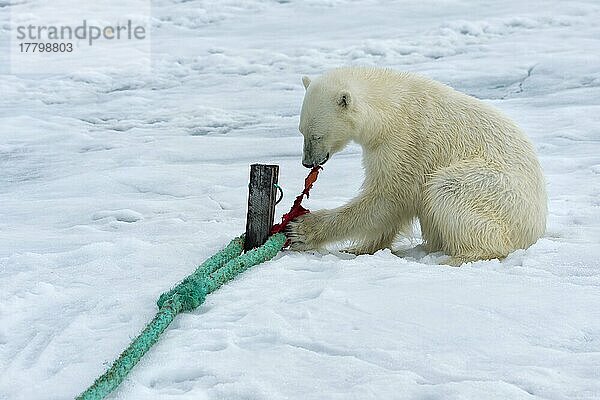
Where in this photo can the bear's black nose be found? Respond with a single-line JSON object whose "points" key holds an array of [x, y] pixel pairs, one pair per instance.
{"points": [[307, 165]]}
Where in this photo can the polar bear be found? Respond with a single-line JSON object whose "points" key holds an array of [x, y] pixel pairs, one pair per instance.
{"points": [[463, 169]]}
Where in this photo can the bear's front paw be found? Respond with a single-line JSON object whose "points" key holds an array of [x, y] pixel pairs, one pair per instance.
{"points": [[305, 232], [356, 250]]}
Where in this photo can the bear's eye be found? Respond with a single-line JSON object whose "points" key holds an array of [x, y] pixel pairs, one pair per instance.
{"points": [[317, 138]]}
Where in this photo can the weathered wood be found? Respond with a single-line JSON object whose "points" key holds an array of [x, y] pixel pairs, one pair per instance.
{"points": [[261, 204]]}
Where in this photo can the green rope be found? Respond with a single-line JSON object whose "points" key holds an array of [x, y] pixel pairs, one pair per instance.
{"points": [[189, 294], [192, 289]]}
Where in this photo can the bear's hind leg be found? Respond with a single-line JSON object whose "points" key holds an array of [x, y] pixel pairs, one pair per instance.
{"points": [[463, 213], [432, 241]]}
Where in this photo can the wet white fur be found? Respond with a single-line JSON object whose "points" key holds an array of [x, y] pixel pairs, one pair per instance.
{"points": [[465, 170]]}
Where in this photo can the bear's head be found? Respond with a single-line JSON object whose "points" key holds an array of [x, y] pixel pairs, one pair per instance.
{"points": [[327, 119]]}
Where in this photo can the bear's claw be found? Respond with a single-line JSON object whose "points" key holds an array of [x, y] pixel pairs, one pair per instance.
{"points": [[302, 233]]}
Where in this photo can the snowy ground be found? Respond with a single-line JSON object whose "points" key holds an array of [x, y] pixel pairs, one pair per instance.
{"points": [[114, 185]]}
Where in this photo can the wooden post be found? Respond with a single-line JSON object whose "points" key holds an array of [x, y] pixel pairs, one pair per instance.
{"points": [[261, 204]]}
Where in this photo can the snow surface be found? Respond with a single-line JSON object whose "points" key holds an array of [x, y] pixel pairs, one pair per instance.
{"points": [[115, 184]]}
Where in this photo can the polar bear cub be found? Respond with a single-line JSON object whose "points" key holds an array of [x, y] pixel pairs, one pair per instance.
{"points": [[463, 169]]}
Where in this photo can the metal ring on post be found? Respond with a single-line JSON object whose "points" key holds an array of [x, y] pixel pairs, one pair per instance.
{"points": [[280, 193]]}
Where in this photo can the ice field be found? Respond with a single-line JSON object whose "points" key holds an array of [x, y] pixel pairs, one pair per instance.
{"points": [[115, 184]]}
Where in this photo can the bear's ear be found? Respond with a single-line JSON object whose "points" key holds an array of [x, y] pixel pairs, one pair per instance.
{"points": [[305, 81], [344, 99]]}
